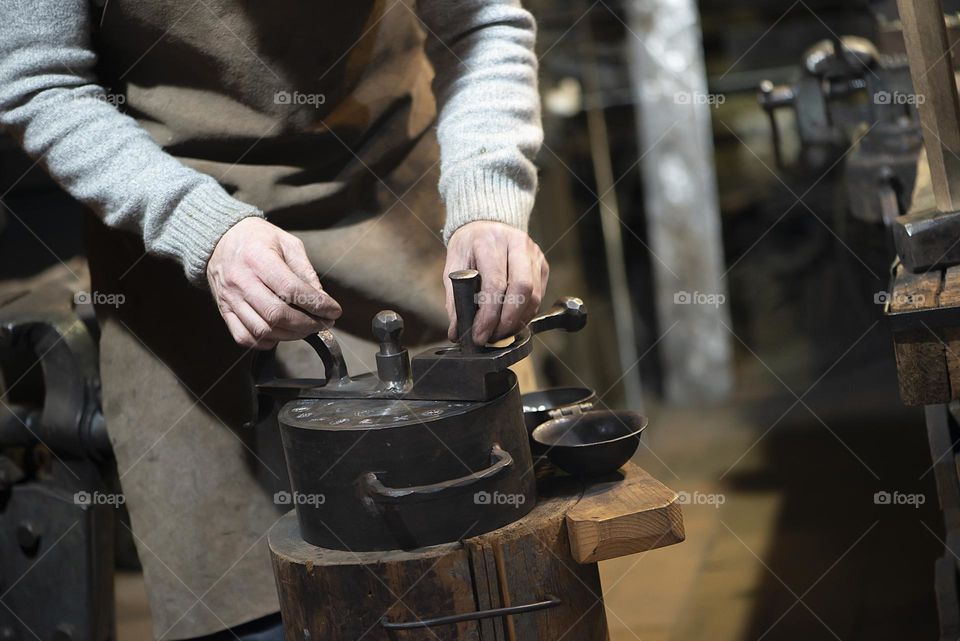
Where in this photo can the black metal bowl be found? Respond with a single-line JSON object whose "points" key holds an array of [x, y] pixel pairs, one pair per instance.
{"points": [[593, 443], [543, 405]]}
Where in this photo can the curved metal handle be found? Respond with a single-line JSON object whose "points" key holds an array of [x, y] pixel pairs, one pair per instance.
{"points": [[550, 602], [382, 493], [325, 344], [568, 314]]}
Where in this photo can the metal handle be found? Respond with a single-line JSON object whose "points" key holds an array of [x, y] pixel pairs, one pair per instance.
{"points": [[568, 314], [466, 286], [550, 602], [501, 460], [328, 349], [570, 410]]}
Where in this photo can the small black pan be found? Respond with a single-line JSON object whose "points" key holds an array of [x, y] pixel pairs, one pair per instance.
{"points": [[593, 443], [543, 405]]}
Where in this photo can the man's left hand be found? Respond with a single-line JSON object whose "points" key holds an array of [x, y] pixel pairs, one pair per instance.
{"points": [[513, 271]]}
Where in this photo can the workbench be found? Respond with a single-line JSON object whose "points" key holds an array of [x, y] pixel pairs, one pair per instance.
{"points": [[536, 578], [927, 346]]}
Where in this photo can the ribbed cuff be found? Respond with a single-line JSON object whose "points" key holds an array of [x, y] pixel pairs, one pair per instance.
{"points": [[197, 224], [485, 195]]}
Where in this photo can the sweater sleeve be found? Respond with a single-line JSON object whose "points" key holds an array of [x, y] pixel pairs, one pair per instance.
{"points": [[489, 109], [51, 103]]}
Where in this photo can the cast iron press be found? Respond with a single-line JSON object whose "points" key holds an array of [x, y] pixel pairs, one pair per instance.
{"points": [[428, 450]]}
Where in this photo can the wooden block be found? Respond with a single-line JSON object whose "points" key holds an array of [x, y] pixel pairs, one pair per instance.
{"points": [[629, 514], [921, 358]]}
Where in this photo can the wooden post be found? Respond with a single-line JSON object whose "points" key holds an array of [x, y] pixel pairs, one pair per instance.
{"points": [[931, 68]]}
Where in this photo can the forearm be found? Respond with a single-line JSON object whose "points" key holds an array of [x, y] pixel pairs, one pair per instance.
{"points": [[50, 101], [489, 110]]}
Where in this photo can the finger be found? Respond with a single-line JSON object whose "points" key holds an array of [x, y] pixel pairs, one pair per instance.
{"points": [[492, 265], [282, 281], [295, 255], [237, 330], [264, 336], [519, 289], [279, 314], [536, 296], [544, 276]]}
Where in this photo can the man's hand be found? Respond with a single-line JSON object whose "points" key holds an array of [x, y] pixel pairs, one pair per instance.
{"points": [[514, 276], [265, 287]]}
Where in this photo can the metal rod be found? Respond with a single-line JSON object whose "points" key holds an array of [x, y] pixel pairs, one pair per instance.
{"points": [[550, 602], [466, 286]]}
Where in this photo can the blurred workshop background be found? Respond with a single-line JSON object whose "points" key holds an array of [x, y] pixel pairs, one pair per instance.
{"points": [[731, 245]]}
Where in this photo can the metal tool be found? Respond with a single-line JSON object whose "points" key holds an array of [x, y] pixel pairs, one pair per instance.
{"points": [[422, 451], [592, 443], [463, 372]]}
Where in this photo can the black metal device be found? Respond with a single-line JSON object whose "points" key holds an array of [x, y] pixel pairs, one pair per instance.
{"points": [[424, 451], [56, 536], [855, 98]]}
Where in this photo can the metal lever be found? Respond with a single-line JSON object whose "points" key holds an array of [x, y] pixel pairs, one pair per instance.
{"points": [[466, 286], [568, 314]]}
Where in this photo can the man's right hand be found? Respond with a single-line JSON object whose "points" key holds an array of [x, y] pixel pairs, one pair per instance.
{"points": [[265, 287]]}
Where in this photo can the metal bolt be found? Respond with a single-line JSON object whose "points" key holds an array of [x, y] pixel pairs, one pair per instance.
{"points": [[387, 329], [28, 536]]}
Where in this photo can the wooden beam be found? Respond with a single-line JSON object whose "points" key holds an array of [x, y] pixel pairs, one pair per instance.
{"points": [[931, 68]]}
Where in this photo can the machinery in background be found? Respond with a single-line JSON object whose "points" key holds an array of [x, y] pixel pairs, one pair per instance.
{"points": [[58, 499], [853, 101]]}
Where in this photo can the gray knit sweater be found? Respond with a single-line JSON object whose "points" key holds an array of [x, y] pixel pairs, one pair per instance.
{"points": [[50, 100]]}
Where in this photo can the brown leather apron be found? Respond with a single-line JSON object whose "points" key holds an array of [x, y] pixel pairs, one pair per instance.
{"points": [[232, 88]]}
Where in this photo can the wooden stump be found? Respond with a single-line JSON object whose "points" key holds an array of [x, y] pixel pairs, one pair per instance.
{"points": [[331, 595]]}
